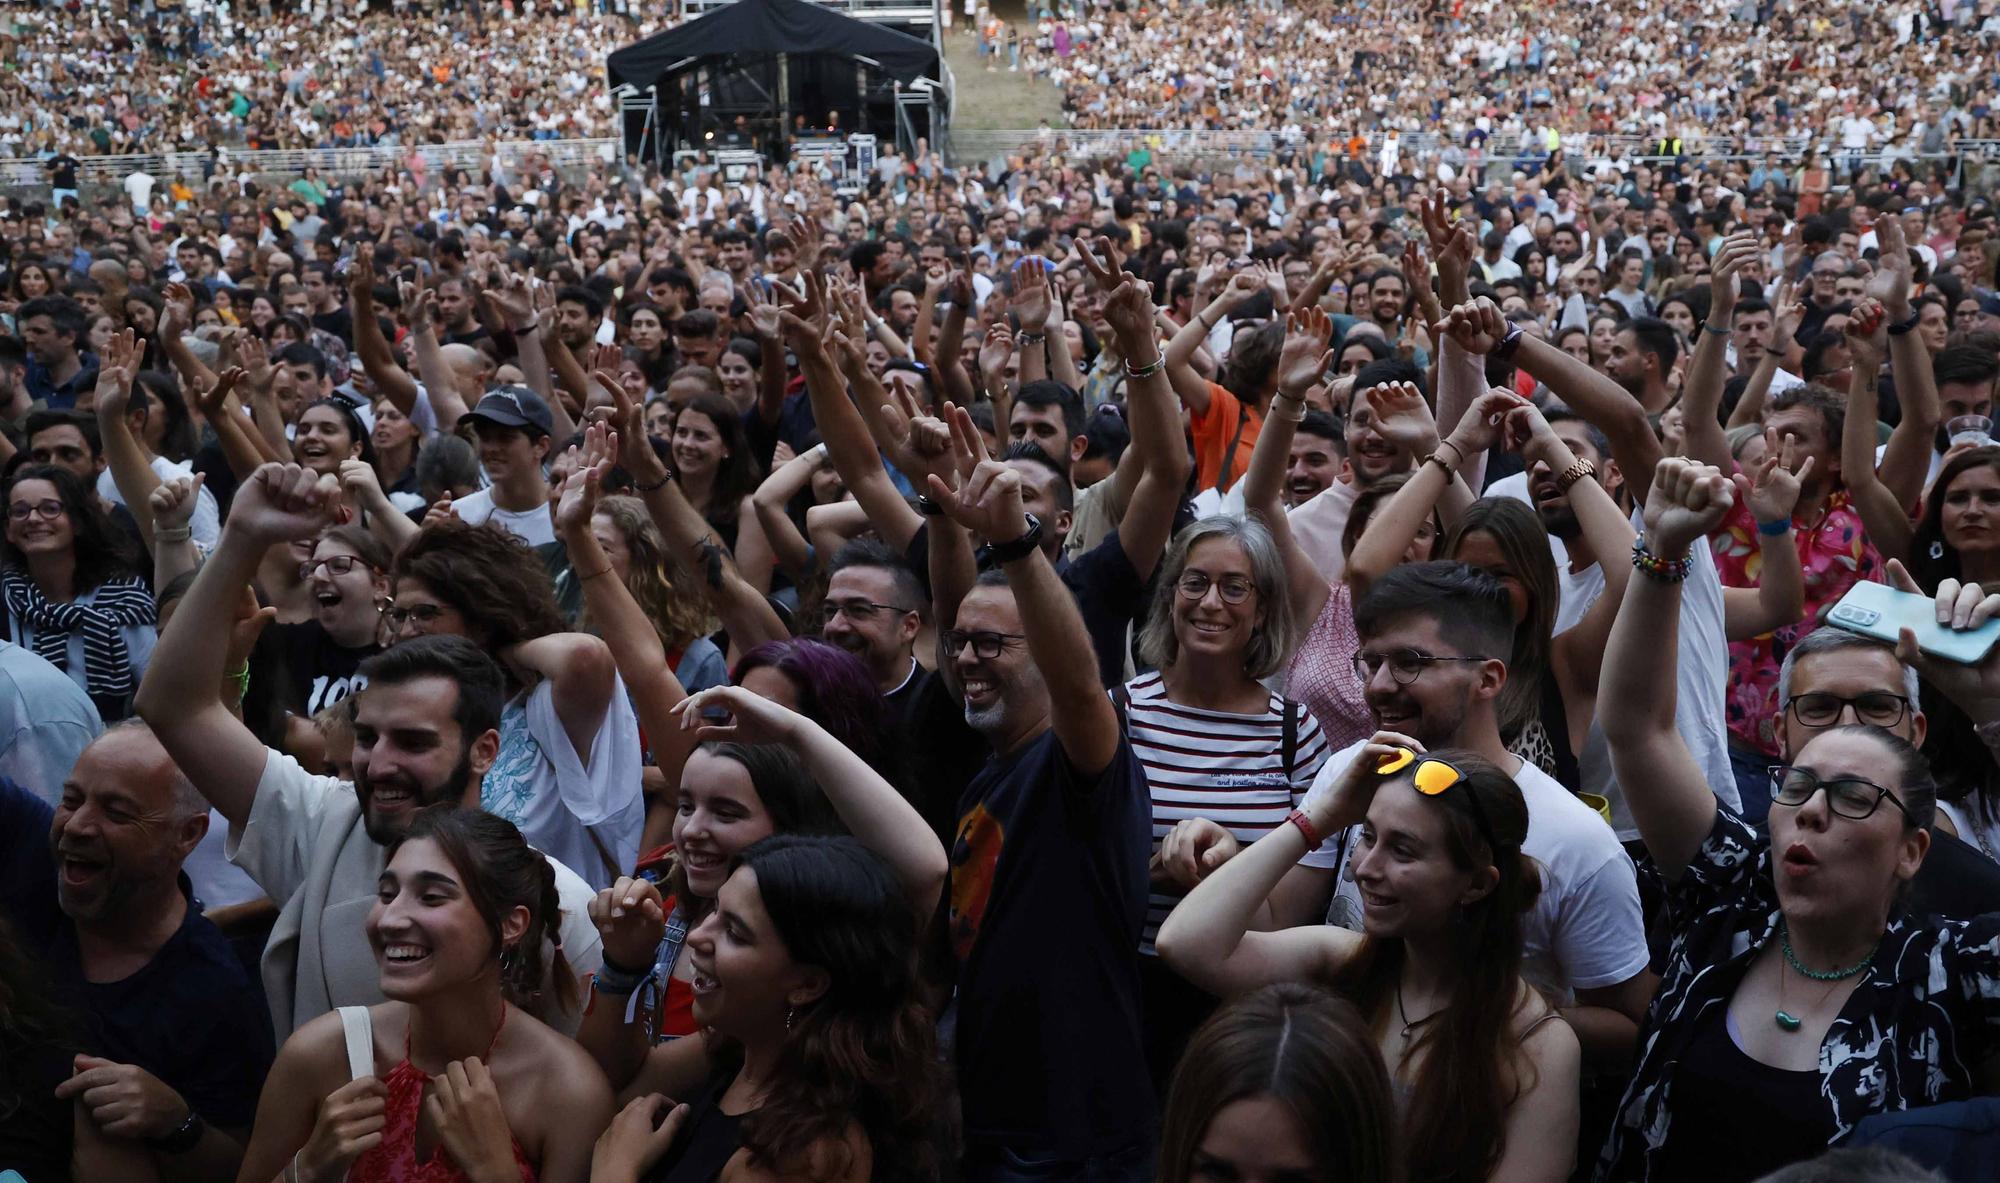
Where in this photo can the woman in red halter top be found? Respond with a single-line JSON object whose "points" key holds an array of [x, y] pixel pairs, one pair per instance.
{"points": [[465, 1085]]}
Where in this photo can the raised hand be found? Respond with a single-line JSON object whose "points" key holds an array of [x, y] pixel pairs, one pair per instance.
{"points": [[173, 502], [285, 503], [1032, 301], [1483, 422], [1344, 802], [1867, 333], [986, 497], [115, 368], [361, 275], [585, 484], [631, 919], [1305, 355], [177, 315], [1478, 326], [998, 348], [510, 303], [1242, 285], [1774, 494], [215, 400], [256, 360], [464, 1108], [753, 719], [1106, 274], [1128, 309], [360, 485], [1528, 432], [1890, 282], [1725, 287], [1404, 418], [923, 443], [1959, 606], [419, 307], [1451, 246], [764, 320], [1687, 501]]}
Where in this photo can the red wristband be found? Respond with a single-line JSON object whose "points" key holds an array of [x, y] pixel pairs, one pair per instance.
{"points": [[1306, 827]]}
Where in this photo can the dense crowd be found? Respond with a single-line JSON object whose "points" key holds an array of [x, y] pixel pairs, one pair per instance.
{"points": [[88, 80], [1850, 74], [1064, 669]]}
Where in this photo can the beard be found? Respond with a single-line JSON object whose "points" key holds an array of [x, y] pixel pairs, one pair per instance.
{"points": [[1559, 519], [381, 830], [991, 719]]}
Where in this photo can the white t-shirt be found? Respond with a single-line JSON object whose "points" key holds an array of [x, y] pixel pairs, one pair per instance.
{"points": [[1585, 930], [1701, 669], [535, 527], [207, 520], [577, 813]]}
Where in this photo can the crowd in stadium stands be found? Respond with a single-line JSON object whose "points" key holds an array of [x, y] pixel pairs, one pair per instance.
{"points": [[1131, 664]]}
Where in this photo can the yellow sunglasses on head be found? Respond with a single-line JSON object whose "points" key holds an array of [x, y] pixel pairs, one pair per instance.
{"points": [[1432, 777]]}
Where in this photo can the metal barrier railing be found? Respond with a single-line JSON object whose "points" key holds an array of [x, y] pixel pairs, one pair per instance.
{"points": [[332, 162]]}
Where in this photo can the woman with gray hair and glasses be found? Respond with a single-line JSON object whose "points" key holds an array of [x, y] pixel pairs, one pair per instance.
{"points": [[1226, 760]]}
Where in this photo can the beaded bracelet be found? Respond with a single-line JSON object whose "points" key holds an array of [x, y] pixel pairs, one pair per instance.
{"points": [[656, 485], [1654, 567]]}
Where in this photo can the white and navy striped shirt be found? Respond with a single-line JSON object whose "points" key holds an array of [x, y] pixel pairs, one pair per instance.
{"points": [[1228, 768]]}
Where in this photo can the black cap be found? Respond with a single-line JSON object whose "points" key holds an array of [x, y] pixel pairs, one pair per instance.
{"points": [[515, 406]]}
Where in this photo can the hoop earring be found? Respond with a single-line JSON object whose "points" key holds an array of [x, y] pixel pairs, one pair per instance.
{"points": [[789, 1012]]}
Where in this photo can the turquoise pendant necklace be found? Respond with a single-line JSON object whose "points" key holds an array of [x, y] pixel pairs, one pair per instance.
{"points": [[1787, 1021]]}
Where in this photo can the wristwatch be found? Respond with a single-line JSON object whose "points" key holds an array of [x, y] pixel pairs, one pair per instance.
{"points": [[1505, 350], [183, 1137], [1019, 548]]}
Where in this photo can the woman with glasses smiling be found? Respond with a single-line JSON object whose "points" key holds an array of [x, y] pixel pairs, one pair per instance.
{"points": [[1799, 994], [1226, 760], [71, 591]]}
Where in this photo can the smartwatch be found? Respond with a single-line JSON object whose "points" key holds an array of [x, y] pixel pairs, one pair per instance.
{"points": [[1019, 548]]}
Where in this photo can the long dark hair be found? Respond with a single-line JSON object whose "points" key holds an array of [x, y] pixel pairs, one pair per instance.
{"points": [[736, 477], [1962, 762], [1524, 542], [790, 797], [1472, 1070], [501, 872], [863, 1053], [1312, 1052], [101, 549]]}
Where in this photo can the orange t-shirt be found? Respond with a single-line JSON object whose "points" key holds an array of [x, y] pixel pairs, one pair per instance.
{"points": [[1227, 420]]}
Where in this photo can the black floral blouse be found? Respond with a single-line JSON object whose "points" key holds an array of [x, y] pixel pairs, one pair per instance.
{"points": [[1912, 1033]]}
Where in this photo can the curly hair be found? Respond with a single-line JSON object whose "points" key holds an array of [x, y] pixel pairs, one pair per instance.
{"points": [[670, 596], [863, 1053], [102, 550], [491, 578]]}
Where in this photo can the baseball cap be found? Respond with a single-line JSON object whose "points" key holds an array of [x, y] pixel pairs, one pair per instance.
{"points": [[515, 406]]}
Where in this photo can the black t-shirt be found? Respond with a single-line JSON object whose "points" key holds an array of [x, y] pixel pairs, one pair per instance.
{"points": [[942, 753], [318, 672], [1955, 880], [1047, 901], [339, 322], [63, 171]]}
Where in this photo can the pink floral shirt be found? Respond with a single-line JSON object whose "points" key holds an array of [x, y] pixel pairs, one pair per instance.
{"points": [[1835, 554]]}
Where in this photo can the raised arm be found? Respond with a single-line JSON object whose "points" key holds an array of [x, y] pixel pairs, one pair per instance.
{"points": [[1187, 381], [173, 505], [378, 360], [1162, 460], [765, 326], [1404, 419], [123, 455], [1779, 598], [872, 809], [279, 503], [1670, 801], [988, 501], [1479, 328], [955, 384], [1701, 398], [420, 305], [1579, 650], [618, 618], [841, 426], [788, 480], [1906, 458], [175, 319], [1882, 511], [1301, 361]]}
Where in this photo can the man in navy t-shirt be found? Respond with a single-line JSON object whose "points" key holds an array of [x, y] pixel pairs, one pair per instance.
{"points": [[1049, 864], [172, 1024]]}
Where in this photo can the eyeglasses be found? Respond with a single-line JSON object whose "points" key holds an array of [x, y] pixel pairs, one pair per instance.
{"points": [[1877, 708], [1234, 589], [858, 611], [335, 565], [1847, 796], [1432, 777], [48, 510], [421, 613], [1405, 665], [984, 645]]}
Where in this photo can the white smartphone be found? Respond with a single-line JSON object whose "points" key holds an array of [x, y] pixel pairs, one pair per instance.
{"points": [[1880, 611]]}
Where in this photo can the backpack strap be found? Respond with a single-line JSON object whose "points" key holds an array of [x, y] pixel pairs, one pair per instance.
{"points": [[1121, 701], [1291, 740], [359, 1027], [1229, 457]]}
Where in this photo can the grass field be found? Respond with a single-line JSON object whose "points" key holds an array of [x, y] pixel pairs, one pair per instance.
{"points": [[999, 99]]}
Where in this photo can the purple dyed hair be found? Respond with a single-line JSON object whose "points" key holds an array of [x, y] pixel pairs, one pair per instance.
{"points": [[834, 690]]}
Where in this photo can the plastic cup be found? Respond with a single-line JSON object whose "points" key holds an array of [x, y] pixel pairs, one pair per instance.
{"points": [[1969, 429]]}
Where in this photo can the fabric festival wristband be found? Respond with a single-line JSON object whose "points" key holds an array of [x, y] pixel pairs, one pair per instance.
{"points": [[1709, 328], [1774, 528], [612, 980]]}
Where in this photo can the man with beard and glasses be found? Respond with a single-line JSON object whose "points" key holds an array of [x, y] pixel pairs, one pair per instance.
{"points": [[426, 730], [1434, 639], [1049, 864], [95, 887]]}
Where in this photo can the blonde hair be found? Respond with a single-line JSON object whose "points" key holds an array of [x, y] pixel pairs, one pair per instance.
{"points": [[666, 592]]}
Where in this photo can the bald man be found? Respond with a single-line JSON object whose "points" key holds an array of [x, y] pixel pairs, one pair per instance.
{"points": [[172, 1023]]}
